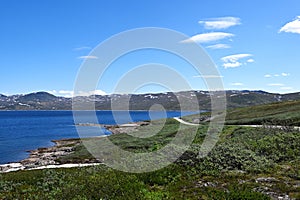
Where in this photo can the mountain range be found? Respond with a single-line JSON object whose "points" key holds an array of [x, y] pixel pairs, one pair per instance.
{"points": [[169, 100]]}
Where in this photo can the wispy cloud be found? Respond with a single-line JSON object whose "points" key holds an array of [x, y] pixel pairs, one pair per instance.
{"points": [[268, 76], [220, 23], [219, 46], [277, 75], [233, 61], [235, 57], [237, 84], [70, 93], [87, 57], [64, 93], [208, 37], [291, 27], [232, 65], [82, 48], [208, 76], [285, 74], [250, 60], [54, 92], [89, 93], [275, 84]]}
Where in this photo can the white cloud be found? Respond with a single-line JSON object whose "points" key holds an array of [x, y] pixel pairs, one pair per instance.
{"points": [[70, 93], [89, 93], [250, 60], [286, 88], [275, 84], [219, 46], [66, 93], [291, 27], [82, 48], [63, 93], [54, 92], [277, 75], [100, 92], [285, 74], [232, 65], [208, 37], [208, 76], [220, 23], [235, 57], [232, 61], [237, 84], [88, 57]]}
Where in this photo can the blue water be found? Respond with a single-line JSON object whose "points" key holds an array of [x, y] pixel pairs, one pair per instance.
{"points": [[21, 131]]}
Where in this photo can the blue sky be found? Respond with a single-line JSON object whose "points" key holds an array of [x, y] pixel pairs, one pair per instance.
{"points": [[255, 44]]}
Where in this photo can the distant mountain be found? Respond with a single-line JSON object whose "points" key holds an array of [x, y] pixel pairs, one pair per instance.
{"points": [[38, 97], [34, 101], [169, 100]]}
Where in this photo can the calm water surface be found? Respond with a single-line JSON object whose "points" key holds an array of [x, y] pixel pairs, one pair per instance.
{"points": [[26, 130]]}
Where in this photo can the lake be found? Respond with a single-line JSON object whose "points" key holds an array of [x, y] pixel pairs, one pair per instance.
{"points": [[21, 131]]}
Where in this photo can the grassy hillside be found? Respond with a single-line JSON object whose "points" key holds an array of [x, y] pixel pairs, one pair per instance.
{"points": [[246, 163], [286, 113]]}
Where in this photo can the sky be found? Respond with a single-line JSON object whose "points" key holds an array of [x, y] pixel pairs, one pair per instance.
{"points": [[254, 44]]}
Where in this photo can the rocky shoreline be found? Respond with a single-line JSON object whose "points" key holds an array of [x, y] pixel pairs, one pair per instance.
{"points": [[117, 129], [45, 157]]}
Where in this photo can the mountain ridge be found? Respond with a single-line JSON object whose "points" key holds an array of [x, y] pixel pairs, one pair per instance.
{"points": [[46, 101]]}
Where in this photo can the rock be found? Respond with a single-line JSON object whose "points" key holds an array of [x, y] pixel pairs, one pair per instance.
{"points": [[11, 167], [117, 129], [44, 157], [196, 121], [205, 184], [201, 119], [271, 193], [266, 179], [48, 156]]}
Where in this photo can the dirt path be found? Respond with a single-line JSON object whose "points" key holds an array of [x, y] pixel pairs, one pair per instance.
{"points": [[254, 126], [184, 122]]}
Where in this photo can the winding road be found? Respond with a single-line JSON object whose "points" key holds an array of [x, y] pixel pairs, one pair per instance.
{"points": [[254, 126], [184, 122]]}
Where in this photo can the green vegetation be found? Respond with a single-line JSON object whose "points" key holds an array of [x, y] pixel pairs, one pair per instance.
{"points": [[246, 163], [282, 113], [230, 171]]}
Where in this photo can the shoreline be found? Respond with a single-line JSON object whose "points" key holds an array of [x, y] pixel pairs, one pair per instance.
{"points": [[47, 157], [43, 156]]}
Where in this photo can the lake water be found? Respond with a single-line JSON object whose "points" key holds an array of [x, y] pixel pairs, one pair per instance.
{"points": [[27, 130]]}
